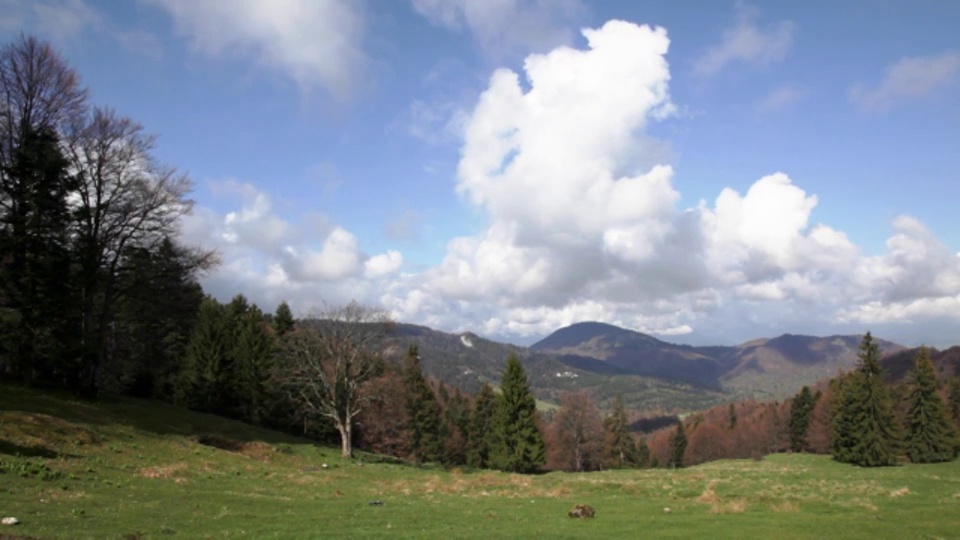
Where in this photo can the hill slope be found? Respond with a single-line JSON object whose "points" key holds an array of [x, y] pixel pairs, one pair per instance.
{"points": [[634, 352], [777, 368], [136, 469], [764, 368], [468, 361]]}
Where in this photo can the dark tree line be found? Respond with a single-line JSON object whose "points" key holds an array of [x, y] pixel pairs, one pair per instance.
{"points": [[85, 212]]}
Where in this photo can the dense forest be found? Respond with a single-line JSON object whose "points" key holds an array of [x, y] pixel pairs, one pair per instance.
{"points": [[100, 297]]}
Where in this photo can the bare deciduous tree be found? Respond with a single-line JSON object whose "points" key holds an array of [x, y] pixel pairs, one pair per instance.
{"points": [[38, 91], [125, 200], [325, 362]]}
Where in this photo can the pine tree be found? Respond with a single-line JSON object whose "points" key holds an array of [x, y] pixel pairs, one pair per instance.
{"points": [[953, 403], [426, 442], [456, 426], [253, 354], [153, 323], [519, 444], [283, 320], [619, 446], [35, 284], [800, 413], [931, 437], [678, 446], [643, 453], [864, 428], [205, 376], [480, 435]]}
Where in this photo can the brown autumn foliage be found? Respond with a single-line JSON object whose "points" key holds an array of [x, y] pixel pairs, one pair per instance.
{"points": [[575, 435], [383, 423]]}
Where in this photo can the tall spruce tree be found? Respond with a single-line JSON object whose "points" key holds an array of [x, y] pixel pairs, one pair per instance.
{"points": [[931, 436], [154, 322], [864, 428], [619, 447], [643, 453], [206, 376], [35, 284], [283, 320], [519, 443], [953, 400], [253, 355], [426, 441], [678, 446], [801, 410], [480, 434]]}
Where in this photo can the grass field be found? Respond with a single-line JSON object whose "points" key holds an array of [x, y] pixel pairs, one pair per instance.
{"points": [[135, 469]]}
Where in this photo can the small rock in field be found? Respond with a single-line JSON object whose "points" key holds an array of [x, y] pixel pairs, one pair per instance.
{"points": [[581, 511], [324, 466], [10, 521], [667, 510]]}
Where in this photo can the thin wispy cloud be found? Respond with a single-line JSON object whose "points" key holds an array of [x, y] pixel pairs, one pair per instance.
{"points": [[782, 97], [909, 79], [504, 27], [747, 42], [316, 43]]}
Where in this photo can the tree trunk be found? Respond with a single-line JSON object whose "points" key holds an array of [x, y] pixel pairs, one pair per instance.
{"points": [[346, 439]]}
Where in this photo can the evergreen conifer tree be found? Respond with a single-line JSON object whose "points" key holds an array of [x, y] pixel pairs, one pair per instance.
{"points": [[800, 412], [253, 354], [519, 443], [864, 427], [678, 446], [206, 374], [643, 453], [283, 320], [931, 437], [426, 442], [35, 262], [480, 435], [620, 449], [953, 400]]}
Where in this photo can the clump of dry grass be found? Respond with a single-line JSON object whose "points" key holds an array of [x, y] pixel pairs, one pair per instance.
{"points": [[737, 506], [785, 507], [709, 496], [164, 471], [899, 492]]}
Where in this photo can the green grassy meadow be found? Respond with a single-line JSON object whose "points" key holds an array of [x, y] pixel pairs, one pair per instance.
{"points": [[137, 469]]}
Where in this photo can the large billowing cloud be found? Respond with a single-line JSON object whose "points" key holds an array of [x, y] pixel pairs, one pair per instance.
{"points": [[308, 262], [583, 223], [313, 42]]}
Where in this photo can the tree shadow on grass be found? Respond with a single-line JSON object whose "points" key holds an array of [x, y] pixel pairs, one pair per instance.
{"points": [[13, 449]]}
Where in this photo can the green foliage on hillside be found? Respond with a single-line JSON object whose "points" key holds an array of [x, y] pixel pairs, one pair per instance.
{"points": [[801, 410], [134, 468], [865, 430], [518, 443], [678, 446], [423, 410], [619, 447], [931, 436]]}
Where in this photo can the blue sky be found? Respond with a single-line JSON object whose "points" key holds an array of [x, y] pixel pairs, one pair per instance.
{"points": [[707, 172]]}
